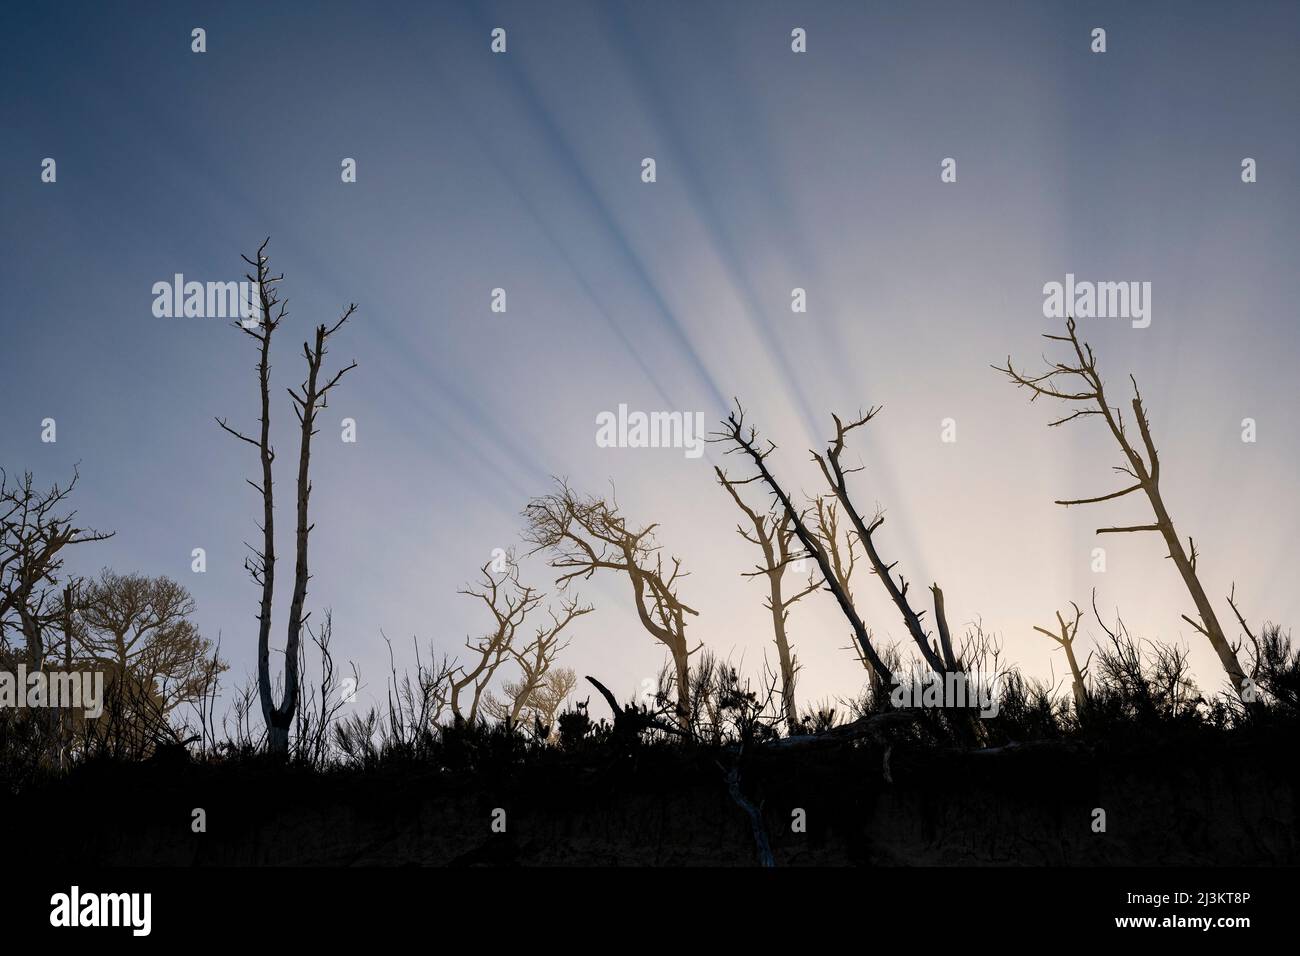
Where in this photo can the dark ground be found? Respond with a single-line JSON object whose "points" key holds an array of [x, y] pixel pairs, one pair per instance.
{"points": [[1231, 804]]}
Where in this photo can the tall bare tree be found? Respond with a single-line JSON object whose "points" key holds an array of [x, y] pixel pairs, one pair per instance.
{"points": [[588, 534], [774, 534], [35, 530], [308, 400], [1077, 381]]}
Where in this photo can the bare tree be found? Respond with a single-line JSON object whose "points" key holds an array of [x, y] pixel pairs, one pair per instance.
{"points": [[1076, 380], [588, 534], [536, 660], [1065, 638], [843, 552], [744, 440], [843, 560], [509, 603], [34, 531], [308, 400], [774, 534], [941, 658]]}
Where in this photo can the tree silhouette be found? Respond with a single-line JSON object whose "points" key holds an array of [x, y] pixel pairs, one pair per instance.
{"points": [[1076, 380], [34, 531], [842, 549], [542, 687], [140, 626], [509, 603], [588, 534], [941, 658], [774, 534], [1064, 636], [307, 402]]}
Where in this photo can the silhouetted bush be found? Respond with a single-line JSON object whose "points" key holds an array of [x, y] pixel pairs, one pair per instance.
{"points": [[1136, 690]]}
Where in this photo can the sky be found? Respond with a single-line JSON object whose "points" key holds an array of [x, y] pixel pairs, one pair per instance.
{"points": [[775, 170]]}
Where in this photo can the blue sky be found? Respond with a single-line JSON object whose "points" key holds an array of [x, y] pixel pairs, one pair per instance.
{"points": [[775, 170]]}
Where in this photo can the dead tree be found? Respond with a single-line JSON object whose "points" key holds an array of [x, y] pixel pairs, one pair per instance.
{"points": [[1077, 380], [588, 534], [745, 441], [844, 558], [34, 532], [843, 561], [509, 603], [773, 533], [1065, 639], [536, 661], [940, 659], [308, 400]]}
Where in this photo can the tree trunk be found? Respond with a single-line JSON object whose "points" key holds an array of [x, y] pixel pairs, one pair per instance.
{"points": [[1212, 630], [683, 665], [783, 655], [266, 456], [32, 638], [279, 719], [277, 735]]}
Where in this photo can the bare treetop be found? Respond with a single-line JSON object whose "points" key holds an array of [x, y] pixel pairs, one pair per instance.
{"points": [[1076, 380], [586, 534], [34, 531]]}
